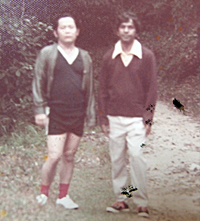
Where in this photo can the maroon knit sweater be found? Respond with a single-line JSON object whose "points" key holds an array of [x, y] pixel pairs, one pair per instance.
{"points": [[127, 91]]}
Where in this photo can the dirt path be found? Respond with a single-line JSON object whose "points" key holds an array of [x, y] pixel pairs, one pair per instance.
{"points": [[173, 156]]}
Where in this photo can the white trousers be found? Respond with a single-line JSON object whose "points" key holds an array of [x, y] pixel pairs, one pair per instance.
{"points": [[127, 134]]}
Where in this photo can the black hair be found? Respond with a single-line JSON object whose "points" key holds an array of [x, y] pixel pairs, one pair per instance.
{"points": [[126, 17], [57, 17]]}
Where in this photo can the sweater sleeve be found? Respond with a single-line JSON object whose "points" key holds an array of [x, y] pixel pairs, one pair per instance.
{"points": [[39, 85], [151, 92], [103, 95], [90, 112]]}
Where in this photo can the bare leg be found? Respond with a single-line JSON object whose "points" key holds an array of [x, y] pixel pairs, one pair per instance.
{"points": [[67, 164], [55, 144], [66, 171]]}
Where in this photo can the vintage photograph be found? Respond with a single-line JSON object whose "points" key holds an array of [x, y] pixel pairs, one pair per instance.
{"points": [[99, 110]]}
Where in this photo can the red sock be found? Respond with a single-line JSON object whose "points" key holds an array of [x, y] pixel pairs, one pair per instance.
{"points": [[45, 190], [63, 190]]}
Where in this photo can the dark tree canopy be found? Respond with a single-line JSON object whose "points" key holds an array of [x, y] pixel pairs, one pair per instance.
{"points": [[169, 27]]}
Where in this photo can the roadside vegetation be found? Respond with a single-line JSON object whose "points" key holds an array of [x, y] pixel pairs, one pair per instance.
{"points": [[170, 28]]}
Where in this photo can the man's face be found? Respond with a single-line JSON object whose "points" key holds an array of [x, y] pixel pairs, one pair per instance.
{"points": [[127, 32], [67, 31]]}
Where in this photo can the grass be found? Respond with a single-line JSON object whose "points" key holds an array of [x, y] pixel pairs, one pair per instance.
{"points": [[22, 156], [23, 152]]}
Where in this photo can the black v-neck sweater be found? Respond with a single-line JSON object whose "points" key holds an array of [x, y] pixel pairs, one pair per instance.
{"points": [[66, 92]]}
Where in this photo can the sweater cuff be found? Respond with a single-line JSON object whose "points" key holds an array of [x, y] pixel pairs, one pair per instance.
{"points": [[39, 110], [148, 119], [91, 123]]}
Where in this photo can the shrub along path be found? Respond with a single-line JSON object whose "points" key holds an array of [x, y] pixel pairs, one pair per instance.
{"points": [[173, 156]]}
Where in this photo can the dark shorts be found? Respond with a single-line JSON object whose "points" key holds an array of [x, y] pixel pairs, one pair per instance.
{"points": [[60, 123]]}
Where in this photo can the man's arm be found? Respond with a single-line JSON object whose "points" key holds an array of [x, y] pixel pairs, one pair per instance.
{"points": [[90, 94], [39, 91], [105, 129], [148, 129], [103, 97], [151, 93], [41, 119]]}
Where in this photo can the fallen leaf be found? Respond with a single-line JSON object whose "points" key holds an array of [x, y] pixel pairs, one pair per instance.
{"points": [[45, 157], [3, 213]]}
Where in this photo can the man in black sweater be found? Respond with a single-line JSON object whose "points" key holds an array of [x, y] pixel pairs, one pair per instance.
{"points": [[63, 82], [127, 99]]}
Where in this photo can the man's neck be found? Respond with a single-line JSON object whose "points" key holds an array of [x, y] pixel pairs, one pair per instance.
{"points": [[126, 46], [67, 47]]}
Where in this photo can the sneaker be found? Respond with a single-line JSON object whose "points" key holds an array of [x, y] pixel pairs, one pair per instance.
{"points": [[41, 199], [117, 207], [143, 212], [67, 202]]}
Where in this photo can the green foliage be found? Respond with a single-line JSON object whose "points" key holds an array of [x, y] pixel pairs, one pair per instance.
{"points": [[171, 30], [21, 39], [25, 135], [169, 27]]}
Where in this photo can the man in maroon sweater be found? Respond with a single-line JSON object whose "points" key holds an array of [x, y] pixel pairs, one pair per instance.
{"points": [[127, 99]]}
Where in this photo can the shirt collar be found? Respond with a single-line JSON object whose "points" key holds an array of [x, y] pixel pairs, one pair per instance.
{"points": [[135, 50]]}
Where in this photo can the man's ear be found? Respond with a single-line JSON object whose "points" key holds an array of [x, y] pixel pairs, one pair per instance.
{"points": [[55, 34], [78, 32], [116, 33]]}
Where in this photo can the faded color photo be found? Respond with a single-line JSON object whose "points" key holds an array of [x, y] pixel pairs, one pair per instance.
{"points": [[52, 120]]}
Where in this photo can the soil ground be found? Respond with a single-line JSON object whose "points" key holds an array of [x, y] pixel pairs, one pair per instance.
{"points": [[173, 157]]}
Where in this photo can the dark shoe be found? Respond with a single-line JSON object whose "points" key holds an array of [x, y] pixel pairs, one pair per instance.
{"points": [[117, 207], [143, 212]]}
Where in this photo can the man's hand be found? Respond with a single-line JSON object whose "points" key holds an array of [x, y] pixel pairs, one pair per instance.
{"points": [[90, 127], [41, 119], [148, 129], [105, 129]]}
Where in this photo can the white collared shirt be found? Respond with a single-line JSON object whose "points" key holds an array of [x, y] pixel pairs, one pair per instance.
{"points": [[127, 57], [70, 59]]}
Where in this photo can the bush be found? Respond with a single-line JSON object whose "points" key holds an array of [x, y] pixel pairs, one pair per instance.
{"points": [[170, 28], [21, 39]]}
